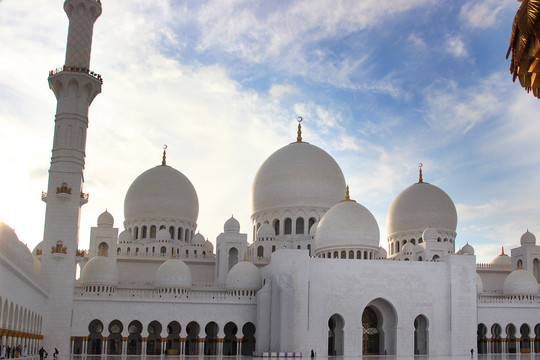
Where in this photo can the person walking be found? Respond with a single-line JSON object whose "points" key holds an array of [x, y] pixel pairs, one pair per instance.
{"points": [[3, 352], [55, 354], [42, 353]]}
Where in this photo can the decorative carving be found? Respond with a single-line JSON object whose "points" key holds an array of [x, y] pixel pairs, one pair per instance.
{"points": [[63, 189], [80, 253], [39, 252], [59, 248]]}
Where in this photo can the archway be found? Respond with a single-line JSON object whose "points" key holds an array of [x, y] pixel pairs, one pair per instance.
{"points": [[511, 338], [248, 340], [95, 338], [173, 338], [335, 335], [153, 344], [114, 344], [496, 340], [233, 257], [229, 342], [379, 321], [211, 339], [192, 339], [134, 346], [421, 335], [481, 340], [525, 342], [537, 338]]}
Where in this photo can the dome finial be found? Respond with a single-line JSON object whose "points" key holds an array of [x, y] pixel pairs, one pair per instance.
{"points": [[502, 251], [299, 136], [420, 179], [347, 196], [164, 161]]}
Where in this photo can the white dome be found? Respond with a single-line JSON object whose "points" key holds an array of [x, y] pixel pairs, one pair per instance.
{"points": [[105, 220], [124, 237], [100, 270], [347, 224], [502, 260], [520, 282], [209, 246], [163, 235], [14, 249], [528, 238], [313, 228], [382, 254], [466, 250], [244, 276], [297, 175], [161, 192], [266, 231], [198, 239], [231, 226], [408, 249], [430, 234], [420, 206], [479, 284], [173, 273]]}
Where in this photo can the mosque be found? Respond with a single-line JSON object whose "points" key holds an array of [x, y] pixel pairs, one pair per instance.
{"points": [[310, 275]]}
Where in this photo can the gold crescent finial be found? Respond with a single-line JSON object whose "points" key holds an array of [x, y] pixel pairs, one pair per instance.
{"points": [[164, 161], [299, 136], [420, 179], [502, 251]]}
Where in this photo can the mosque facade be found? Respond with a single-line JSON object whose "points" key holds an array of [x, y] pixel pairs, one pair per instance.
{"points": [[311, 274]]}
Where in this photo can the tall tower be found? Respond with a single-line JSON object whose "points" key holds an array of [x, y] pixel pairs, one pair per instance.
{"points": [[74, 86]]}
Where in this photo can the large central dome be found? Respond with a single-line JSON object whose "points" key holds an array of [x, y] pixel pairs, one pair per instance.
{"points": [[161, 192], [298, 174]]}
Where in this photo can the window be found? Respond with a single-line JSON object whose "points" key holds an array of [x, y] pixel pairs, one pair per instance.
{"points": [[288, 226], [276, 226], [300, 225]]}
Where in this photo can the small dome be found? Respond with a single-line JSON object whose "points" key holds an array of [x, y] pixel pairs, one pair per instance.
{"points": [[430, 235], [313, 228], [297, 175], [173, 273], [208, 246], [231, 226], [100, 270], [163, 235], [479, 284], [14, 249], [105, 220], [520, 282], [347, 224], [244, 276], [198, 239], [502, 260], [528, 238], [408, 249], [161, 192], [466, 250], [381, 254], [266, 231], [420, 206], [124, 237]]}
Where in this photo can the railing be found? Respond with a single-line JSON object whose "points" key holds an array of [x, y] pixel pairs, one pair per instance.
{"points": [[154, 295], [509, 299], [77, 69], [493, 266], [165, 255]]}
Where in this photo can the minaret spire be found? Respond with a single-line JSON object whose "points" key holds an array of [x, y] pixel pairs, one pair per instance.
{"points": [[164, 160], [420, 179], [299, 135], [75, 87]]}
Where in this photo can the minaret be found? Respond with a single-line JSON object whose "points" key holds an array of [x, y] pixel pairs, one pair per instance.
{"points": [[74, 86]]}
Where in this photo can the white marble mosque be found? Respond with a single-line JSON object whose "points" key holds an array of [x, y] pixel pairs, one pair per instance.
{"points": [[310, 275]]}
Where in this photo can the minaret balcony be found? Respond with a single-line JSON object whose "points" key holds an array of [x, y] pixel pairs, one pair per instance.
{"points": [[84, 198], [78, 70], [59, 250], [44, 196], [79, 255]]}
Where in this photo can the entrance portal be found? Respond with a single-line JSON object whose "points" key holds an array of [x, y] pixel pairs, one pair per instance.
{"points": [[335, 335], [370, 341]]}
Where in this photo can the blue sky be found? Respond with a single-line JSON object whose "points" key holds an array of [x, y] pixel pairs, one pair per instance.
{"points": [[382, 86]]}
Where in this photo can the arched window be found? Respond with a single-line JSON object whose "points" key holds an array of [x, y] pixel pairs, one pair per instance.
{"points": [[336, 255], [233, 257], [421, 336], [343, 254], [144, 232], [260, 251], [103, 249], [152, 231], [298, 247], [186, 235], [288, 226], [136, 236], [311, 222], [309, 248], [180, 233], [519, 264], [273, 248], [276, 226], [351, 254], [171, 231], [299, 225]]}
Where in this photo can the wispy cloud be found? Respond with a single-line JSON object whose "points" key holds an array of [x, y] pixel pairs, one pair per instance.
{"points": [[483, 14], [456, 47]]}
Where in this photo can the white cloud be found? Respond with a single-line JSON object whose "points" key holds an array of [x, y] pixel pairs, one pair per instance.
{"points": [[277, 91], [482, 14], [456, 47], [417, 40]]}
